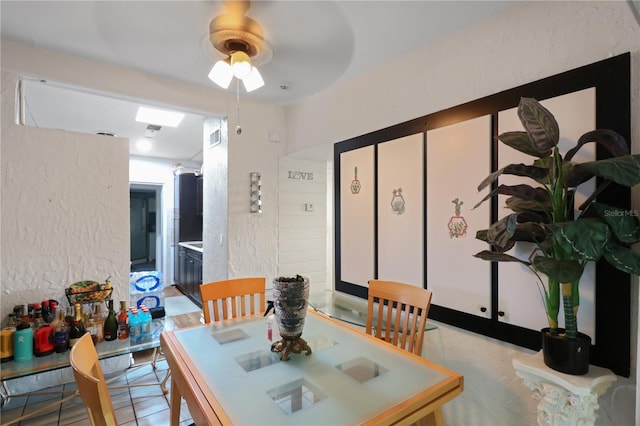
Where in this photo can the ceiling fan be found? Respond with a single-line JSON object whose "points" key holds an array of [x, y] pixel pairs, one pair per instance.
{"points": [[241, 40]]}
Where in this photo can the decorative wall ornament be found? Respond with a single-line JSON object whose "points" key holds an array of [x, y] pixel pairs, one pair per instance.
{"points": [[255, 193], [457, 225], [355, 183], [397, 202], [299, 175]]}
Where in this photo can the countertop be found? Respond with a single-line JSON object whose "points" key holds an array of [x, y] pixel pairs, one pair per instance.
{"points": [[192, 245]]}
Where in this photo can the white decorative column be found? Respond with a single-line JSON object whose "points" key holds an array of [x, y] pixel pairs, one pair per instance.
{"points": [[565, 400]]}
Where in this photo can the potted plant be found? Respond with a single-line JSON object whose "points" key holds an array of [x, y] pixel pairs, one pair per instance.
{"points": [[543, 214]]}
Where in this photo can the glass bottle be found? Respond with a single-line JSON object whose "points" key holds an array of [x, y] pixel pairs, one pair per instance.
{"points": [[92, 328], [12, 322], [77, 330], [99, 320], [38, 321], [25, 314], [46, 312], [69, 317], [61, 333], [111, 324], [123, 321]]}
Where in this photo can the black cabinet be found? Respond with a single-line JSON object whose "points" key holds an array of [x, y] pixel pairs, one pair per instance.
{"points": [[199, 195], [187, 221], [190, 273]]}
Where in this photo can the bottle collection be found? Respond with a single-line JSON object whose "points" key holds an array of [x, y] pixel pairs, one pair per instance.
{"points": [[40, 329]]}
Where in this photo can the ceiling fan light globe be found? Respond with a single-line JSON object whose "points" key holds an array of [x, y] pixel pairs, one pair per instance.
{"points": [[254, 81], [221, 74], [241, 64]]}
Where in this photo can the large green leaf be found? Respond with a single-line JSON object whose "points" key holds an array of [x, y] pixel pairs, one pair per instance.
{"points": [[501, 231], [519, 205], [609, 139], [520, 141], [526, 192], [505, 232], [514, 169], [564, 271], [583, 239], [499, 257], [549, 163], [624, 223], [539, 123], [624, 170], [622, 258]]}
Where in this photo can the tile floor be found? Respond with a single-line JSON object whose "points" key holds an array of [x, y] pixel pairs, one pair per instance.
{"points": [[144, 405]]}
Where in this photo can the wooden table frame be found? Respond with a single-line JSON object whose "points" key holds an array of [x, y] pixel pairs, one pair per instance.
{"points": [[205, 409]]}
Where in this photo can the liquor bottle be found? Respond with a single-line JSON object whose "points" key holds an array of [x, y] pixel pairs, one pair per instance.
{"points": [[61, 333], [38, 321], [46, 312], [12, 322], [92, 328], [77, 330], [69, 317], [111, 324], [123, 321], [99, 319], [25, 314]]}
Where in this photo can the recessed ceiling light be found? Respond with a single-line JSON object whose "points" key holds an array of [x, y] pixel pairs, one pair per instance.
{"points": [[159, 117], [144, 145]]}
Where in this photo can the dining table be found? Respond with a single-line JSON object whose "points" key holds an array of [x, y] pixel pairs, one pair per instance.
{"points": [[228, 375]]}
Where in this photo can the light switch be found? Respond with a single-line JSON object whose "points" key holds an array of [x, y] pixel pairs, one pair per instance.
{"points": [[308, 207]]}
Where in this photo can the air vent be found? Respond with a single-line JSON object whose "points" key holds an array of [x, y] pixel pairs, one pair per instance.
{"points": [[152, 131], [105, 133]]}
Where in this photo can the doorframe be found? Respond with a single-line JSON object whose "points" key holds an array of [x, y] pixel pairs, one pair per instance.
{"points": [[157, 187]]}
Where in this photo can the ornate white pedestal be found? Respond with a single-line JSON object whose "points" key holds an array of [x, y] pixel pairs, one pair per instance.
{"points": [[564, 399]]}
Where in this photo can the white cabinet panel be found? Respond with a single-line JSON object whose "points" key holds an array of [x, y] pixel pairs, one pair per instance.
{"points": [[458, 159], [519, 295], [357, 215], [400, 210]]}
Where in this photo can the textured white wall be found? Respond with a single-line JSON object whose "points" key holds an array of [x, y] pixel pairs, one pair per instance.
{"points": [[65, 209], [252, 238], [525, 43], [216, 206], [252, 247]]}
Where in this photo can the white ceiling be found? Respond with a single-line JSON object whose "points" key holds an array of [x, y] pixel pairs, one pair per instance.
{"points": [[315, 44]]}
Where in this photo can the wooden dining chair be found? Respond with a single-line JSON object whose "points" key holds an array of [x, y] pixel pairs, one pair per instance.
{"points": [[400, 314], [92, 387], [232, 298]]}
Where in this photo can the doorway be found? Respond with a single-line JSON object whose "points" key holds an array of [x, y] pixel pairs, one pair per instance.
{"points": [[144, 226]]}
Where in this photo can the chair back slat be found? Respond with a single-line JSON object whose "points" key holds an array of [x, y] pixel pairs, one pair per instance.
{"points": [[228, 298], [402, 311], [92, 386]]}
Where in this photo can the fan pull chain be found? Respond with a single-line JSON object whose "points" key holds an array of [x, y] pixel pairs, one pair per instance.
{"points": [[238, 127]]}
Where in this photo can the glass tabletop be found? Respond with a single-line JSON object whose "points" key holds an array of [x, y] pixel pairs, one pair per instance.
{"points": [[346, 308], [348, 378]]}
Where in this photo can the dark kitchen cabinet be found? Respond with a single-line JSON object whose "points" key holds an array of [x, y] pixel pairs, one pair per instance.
{"points": [[187, 221], [190, 273]]}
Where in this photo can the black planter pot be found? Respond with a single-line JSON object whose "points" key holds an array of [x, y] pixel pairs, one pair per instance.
{"points": [[570, 356]]}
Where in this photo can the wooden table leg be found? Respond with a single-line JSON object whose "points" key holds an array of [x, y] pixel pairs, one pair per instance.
{"points": [[435, 418], [176, 400]]}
